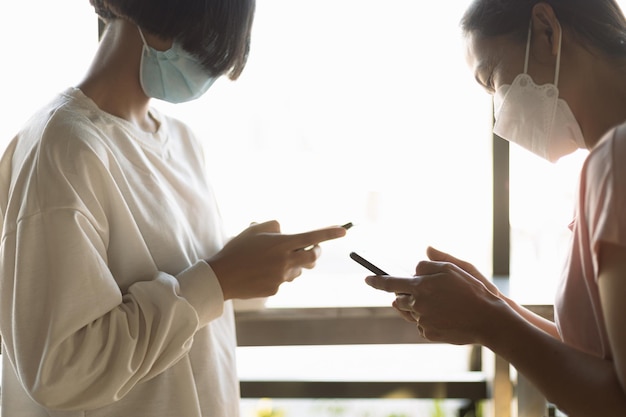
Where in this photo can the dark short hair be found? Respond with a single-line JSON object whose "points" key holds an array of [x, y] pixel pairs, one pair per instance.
{"points": [[216, 31], [600, 23]]}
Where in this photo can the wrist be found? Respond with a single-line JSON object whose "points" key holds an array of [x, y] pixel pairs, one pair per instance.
{"points": [[501, 327], [219, 270]]}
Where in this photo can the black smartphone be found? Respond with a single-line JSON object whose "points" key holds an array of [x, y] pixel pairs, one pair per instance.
{"points": [[347, 226], [367, 264]]}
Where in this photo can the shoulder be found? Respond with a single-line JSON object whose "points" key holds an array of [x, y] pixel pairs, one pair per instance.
{"points": [[57, 160], [62, 142], [603, 176], [608, 154], [63, 129]]}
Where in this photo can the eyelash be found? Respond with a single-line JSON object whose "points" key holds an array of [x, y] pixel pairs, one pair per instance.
{"points": [[490, 82]]}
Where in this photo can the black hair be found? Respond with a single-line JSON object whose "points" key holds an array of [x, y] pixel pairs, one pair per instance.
{"points": [[216, 31], [600, 23]]}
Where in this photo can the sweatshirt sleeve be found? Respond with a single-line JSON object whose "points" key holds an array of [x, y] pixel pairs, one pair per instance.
{"points": [[80, 332]]}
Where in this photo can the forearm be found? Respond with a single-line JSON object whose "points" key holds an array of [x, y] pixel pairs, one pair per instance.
{"points": [[538, 321], [81, 368], [78, 343], [580, 384]]}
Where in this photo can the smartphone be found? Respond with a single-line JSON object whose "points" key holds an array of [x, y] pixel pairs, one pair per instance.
{"points": [[367, 264]]}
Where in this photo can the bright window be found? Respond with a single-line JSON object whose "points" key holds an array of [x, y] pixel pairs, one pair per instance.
{"points": [[349, 111], [542, 207], [346, 112], [47, 46]]}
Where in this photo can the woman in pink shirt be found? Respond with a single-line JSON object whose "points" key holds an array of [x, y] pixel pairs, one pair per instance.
{"points": [[557, 70]]}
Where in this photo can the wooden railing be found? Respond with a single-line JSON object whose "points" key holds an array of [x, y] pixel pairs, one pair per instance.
{"points": [[375, 325]]}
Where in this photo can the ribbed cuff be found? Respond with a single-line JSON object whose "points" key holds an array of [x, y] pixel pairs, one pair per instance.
{"points": [[200, 287]]}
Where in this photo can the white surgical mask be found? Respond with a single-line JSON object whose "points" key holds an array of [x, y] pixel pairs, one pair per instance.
{"points": [[174, 75], [534, 117]]}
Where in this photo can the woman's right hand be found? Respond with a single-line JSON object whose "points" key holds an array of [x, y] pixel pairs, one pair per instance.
{"points": [[259, 259], [439, 256]]}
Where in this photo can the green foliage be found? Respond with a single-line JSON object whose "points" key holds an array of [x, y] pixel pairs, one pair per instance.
{"points": [[266, 409], [437, 409], [480, 409], [270, 413]]}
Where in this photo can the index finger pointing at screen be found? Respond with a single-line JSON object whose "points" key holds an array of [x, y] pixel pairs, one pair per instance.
{"points": [[309, 239]]}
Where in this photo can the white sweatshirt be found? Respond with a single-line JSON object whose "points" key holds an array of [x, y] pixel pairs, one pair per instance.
{"points": [[107, 307]]}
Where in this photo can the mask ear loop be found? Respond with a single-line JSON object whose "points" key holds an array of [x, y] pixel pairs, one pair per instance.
{"points": [[142, 37], [530, 27], [557, 70], [558, 57]]}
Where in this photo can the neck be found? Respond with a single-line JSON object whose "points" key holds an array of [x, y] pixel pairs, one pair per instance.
{"points": [[112, 81], [607, 105], [600, 101]]}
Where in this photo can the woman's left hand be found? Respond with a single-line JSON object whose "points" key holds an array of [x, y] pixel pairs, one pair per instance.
{"points": [[446, 302]]}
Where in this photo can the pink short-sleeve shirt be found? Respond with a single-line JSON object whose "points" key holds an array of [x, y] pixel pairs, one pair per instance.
{"points": [[600, 216]]}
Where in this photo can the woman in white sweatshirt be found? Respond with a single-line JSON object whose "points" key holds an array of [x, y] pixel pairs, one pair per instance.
{"points": [[115, 273]]}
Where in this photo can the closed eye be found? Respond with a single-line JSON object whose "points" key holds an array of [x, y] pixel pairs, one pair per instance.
{"points": [[483, 84], [490, 85]]}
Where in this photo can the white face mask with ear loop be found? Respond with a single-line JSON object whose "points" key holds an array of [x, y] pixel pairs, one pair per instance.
{"points": [[534, 117]]}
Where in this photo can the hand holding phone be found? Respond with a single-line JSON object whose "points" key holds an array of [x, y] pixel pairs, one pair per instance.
{"points": [[259, 259], [367, 264]]}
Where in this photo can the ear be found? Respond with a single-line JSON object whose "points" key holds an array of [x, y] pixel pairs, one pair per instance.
{"points": [[546, 27]]}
